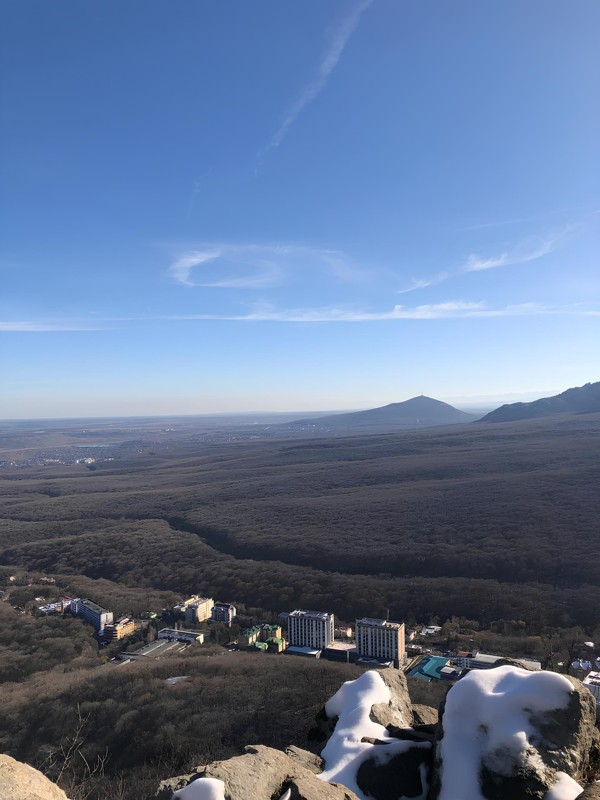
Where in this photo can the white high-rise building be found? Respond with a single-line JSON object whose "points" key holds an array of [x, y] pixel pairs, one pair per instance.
{"points": [[310, 629], [378, 638], [99, 617]]}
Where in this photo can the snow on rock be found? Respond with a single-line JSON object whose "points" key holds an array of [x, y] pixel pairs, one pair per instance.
{"points": [[202, 789], [488, 733], [346, 751], [565, 788]]}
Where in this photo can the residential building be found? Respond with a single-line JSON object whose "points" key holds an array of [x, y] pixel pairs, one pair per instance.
{"points": [[224, 612], [249, 636], [200, 610], [259, 633], [312, 629], [93, 613], [475, 660], [378, 638], [592, 682], [276, 644], [120, 629]]}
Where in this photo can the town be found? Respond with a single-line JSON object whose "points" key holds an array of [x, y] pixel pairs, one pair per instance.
{"points": [[373, 642]]}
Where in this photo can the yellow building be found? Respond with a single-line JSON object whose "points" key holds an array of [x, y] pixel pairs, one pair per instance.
{"points": [[200, 610], [119, 630]]}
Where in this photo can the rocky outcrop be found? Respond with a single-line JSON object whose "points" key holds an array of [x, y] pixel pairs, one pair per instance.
{"points": [[263, 773], [396, 712], [591, 793], [503, 734], [424, 715], [508, 733], [21, 782], [403, 774]]}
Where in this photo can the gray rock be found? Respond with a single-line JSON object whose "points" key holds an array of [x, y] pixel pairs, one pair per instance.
{"points": [[395, 713], [264, 773], [562, 741], [425, 715], [404, 775], [21, 782], [398, 711], [591, 792], [310, 761]]}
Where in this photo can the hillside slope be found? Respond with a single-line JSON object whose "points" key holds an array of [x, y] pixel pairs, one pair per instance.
{"points": [[579, 400]]}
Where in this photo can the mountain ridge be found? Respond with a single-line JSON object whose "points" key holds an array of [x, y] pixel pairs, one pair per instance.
{"points": [[577, 400]]}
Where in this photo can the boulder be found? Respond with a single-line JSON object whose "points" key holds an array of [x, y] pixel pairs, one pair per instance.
{"points": [[424, 715], [310, 761], [507, 733], [397, 712], [21, 782], [592, 792], [267, 774], [403, 774]]}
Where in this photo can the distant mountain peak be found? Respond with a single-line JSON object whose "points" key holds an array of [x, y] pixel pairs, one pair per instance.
{"points": [[417, 412]]}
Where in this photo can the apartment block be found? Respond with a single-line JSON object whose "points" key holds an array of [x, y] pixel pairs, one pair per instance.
{"points": [[260, 633], [378, 638], [200, 610], [310, 629], [94, 614], [224, 612], [120, 629]]}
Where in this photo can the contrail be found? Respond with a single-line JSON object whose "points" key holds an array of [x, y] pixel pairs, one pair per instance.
{"points": [[333, 54]]}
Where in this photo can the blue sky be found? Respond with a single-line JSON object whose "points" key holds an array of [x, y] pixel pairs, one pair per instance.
{"points": [[242, 206]]}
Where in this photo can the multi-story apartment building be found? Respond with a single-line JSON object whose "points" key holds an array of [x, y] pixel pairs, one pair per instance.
{"points": [[378, 638], [96, 615], [200, 610], [223, 612], [310, 629], [120, 629]]}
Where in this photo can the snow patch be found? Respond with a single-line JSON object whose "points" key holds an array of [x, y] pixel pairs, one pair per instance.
{"points": [[486, 718], [565, 788], [345, 752], [202, 789]]}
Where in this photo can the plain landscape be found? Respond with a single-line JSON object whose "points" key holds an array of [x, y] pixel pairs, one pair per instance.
{"points": [[489, 530]]}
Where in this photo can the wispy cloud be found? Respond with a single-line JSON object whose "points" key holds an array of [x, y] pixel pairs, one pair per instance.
{"points": [[520, 252], [520, 255], [181, 268], [21, 326], [266, 312], [333, 53], [423, 283], [259, 266], [454, 309]]}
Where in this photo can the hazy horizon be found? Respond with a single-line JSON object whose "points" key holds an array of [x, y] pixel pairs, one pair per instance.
{"points": [[471, 405]]}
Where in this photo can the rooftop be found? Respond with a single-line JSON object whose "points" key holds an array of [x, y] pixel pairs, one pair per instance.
{"points": [[310, 614], [593, 679], [93, 606], [379, 623], [484, 658]]}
